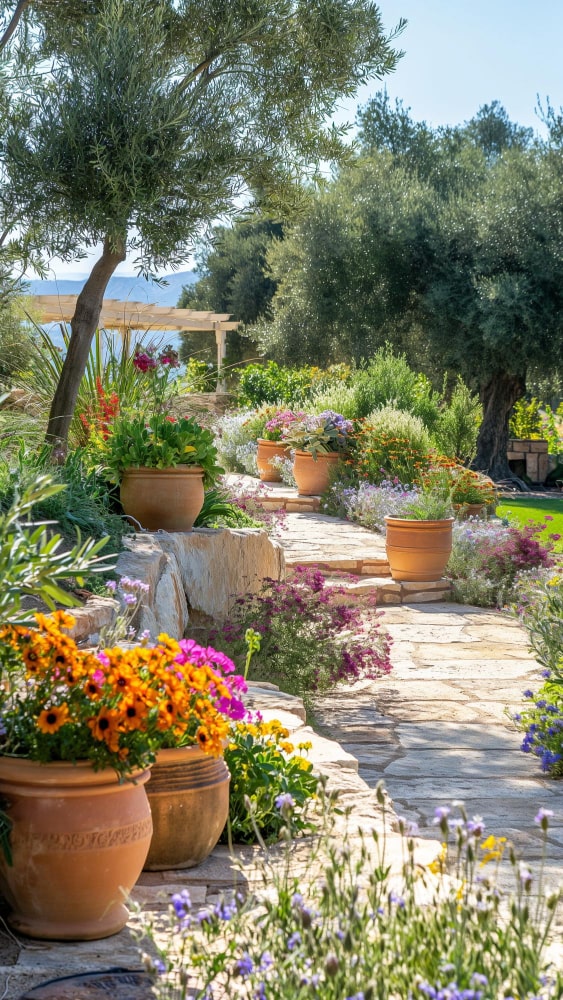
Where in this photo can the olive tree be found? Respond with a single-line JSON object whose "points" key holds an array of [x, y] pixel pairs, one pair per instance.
{"points": [[158, 117]]}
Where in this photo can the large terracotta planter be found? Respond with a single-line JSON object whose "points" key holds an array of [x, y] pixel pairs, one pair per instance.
{"points": [[267, 450], [189, 798], [313, 475], [167, 499], [79, 840], [418, 550]]}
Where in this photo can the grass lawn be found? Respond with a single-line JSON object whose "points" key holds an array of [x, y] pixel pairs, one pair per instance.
{"points": [[523, 507]]}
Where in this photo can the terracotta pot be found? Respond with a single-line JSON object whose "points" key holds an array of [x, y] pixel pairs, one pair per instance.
{"points": [[167, 499], [266, 451], [418, 550], [466, 510], [189, 799], [313, 475], [79, 841]]}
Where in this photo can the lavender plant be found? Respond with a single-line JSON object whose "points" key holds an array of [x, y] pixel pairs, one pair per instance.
{"points": [[367, 504]]}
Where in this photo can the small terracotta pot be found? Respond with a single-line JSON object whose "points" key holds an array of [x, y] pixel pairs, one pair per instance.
{"points": [[467, 510], [313, 475], [418, 550], [266, 451], [189, 799], [79, 841], [167, 499]]}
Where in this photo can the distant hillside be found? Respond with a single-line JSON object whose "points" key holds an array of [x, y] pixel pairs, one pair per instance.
{"points": [[125, 289]]}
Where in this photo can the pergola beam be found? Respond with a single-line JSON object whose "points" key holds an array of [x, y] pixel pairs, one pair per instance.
{"points": [[118, 315]]}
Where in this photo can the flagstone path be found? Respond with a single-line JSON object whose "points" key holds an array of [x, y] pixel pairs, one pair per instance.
{"points": [[436, 729]]}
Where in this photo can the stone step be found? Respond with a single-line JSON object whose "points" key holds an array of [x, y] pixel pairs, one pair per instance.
{"points": [[388, 591]]}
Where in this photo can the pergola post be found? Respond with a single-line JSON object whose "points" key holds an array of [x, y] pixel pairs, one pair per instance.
{"points": [[221, 341]]}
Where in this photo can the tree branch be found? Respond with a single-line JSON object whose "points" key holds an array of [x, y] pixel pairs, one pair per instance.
{"points": [[20, 7]]}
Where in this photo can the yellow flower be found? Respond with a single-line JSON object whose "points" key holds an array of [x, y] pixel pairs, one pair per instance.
{"points": [[287, 747], [189, 448], [438, 866], [493, 848]]}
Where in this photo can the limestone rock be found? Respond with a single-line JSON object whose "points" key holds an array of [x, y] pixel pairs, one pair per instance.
{"points": [[218, 565], [94, 615]]}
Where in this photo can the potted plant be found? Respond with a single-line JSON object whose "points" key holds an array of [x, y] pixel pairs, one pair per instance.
{"points": [[472, 492], [419, 539], [271, 444], [319, 442], [163, 465], [79, 731]]}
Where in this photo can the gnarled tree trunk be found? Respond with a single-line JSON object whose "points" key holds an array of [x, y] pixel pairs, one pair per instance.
{"points": [[83, 326], [498, 396]]}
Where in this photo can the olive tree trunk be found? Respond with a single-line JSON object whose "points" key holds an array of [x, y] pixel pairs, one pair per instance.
{"points": [[83, 326], [498, 396]]}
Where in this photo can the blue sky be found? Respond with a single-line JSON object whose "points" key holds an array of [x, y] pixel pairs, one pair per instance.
{"points": [[460, 55]]}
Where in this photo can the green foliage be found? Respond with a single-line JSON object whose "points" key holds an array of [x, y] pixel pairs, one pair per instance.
{"points": [[525, 421], [455, 432], [219, 511], [83, 500], [198, 377], [363, 929], [434, 500], [341, 398], [234, 273], [541, 611], [17, 338], [391, 444], [389, 381], [258, 758], [160, 442], [154, 112], [31, 563], [550, 432], [272, 383]]}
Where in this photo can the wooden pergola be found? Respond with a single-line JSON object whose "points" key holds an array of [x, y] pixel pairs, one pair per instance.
{"points": [[118, 315]]}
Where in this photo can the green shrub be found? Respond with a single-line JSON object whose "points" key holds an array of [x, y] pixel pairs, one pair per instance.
{"points": [[341, 398], [271, 383], [391, 444], [525, 421], [455, 432], [388, 381], [83, 499]]}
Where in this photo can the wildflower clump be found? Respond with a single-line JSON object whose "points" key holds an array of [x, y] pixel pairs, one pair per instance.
{"points": [[350, 928], [116, 707], [541, 613], [313, 634], [264, 765]]}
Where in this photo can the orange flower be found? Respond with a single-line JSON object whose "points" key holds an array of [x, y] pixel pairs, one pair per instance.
{"points": [[105, 726], [51, 719], [134, 712]]}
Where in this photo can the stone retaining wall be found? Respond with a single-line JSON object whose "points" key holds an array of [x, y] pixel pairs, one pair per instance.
{"points": [[528, 456]]}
